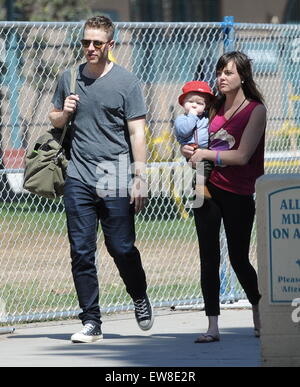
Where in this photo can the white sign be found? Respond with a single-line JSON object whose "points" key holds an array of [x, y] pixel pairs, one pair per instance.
{"points": [[284, 244]]}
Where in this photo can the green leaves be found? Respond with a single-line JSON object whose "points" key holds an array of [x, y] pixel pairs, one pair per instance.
{"points": [[45, 10]]}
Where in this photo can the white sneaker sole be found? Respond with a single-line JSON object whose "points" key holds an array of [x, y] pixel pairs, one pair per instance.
{"points": [[150, 324], [79, 338]]}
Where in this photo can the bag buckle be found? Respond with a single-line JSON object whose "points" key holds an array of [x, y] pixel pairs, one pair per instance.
{"points": [[58, 158]]}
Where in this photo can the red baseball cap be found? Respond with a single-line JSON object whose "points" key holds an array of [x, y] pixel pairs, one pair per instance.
{"points": [[195, 86]]}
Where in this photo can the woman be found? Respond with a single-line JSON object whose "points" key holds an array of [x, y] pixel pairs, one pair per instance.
{"points": [[237, 129]]}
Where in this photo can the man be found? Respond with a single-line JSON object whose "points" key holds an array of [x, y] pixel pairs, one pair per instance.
{"points": [[108, 130]]}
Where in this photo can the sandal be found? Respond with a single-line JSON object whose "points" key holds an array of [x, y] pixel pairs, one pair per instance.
{"points": [[256, 332], [207, 338], [256, 320]]}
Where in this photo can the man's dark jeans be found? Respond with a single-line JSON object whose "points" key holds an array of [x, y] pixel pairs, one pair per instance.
{"points": [[84, 210]]}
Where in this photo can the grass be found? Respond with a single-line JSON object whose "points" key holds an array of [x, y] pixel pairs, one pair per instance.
{"points": [[32, 217], [50, 218], [46, 293], [39, 301]]}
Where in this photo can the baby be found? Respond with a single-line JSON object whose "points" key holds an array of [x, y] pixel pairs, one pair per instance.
{"points": [[192, 127]]}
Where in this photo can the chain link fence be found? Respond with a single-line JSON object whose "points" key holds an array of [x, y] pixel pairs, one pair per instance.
{"points": [[35, 272]]}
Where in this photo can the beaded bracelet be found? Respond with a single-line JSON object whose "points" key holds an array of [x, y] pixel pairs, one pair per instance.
{"points": [[218, 161]]}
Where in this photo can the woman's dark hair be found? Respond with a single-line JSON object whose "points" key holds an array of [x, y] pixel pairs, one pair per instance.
{"points": [[244, 69]]}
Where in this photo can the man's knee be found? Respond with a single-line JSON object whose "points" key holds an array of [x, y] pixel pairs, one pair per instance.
{"points": [[121, 249]]}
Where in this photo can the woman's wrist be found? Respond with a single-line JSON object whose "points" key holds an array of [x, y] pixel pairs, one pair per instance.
{"points": [[218, 161], [206, 154]]}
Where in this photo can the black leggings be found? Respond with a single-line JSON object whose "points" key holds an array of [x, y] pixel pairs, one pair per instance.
{"points": [[237, 212]]}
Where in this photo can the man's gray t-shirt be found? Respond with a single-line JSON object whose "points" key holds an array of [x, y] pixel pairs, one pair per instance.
{"points": [[100, 144]]}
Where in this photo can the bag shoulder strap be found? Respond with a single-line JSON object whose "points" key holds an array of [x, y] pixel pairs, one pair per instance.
{"points": [[72, 91], [73, 80]]}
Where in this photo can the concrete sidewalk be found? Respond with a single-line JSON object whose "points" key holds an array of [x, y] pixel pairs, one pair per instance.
{"points": [[170, 343]]}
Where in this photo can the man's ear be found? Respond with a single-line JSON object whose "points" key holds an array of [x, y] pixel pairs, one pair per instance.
{"points": [[111, 44]]}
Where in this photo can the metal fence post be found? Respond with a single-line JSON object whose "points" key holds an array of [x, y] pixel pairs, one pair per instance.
{"points": [[13, 80], [228, 45], [228, 30]]}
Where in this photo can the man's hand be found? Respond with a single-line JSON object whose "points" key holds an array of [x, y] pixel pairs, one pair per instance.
{"points": [[139, 193], [59, 118], [70, 104]]}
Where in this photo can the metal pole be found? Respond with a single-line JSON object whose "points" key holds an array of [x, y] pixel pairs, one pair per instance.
{"points": [[9, 4], [228, 30], [10, 9], [6, 330], [229, 43], [12, 78]]}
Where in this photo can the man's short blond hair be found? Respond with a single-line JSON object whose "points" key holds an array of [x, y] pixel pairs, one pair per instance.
{"points": [[100, 22]]}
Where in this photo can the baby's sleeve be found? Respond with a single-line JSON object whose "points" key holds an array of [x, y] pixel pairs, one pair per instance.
{"points": [[184, 127]]}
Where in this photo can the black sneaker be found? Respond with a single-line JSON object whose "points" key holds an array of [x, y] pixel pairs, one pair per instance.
{"points": [[90, 333], [144, 313]]}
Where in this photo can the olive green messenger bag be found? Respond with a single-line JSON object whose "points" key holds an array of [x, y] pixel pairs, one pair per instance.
{"points": [[46, 164]]}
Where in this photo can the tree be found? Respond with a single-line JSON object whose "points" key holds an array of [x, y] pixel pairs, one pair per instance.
{"points": [[45, 10]]}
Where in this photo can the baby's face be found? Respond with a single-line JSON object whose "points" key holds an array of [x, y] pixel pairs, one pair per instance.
{"points": [[195, 103]]}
